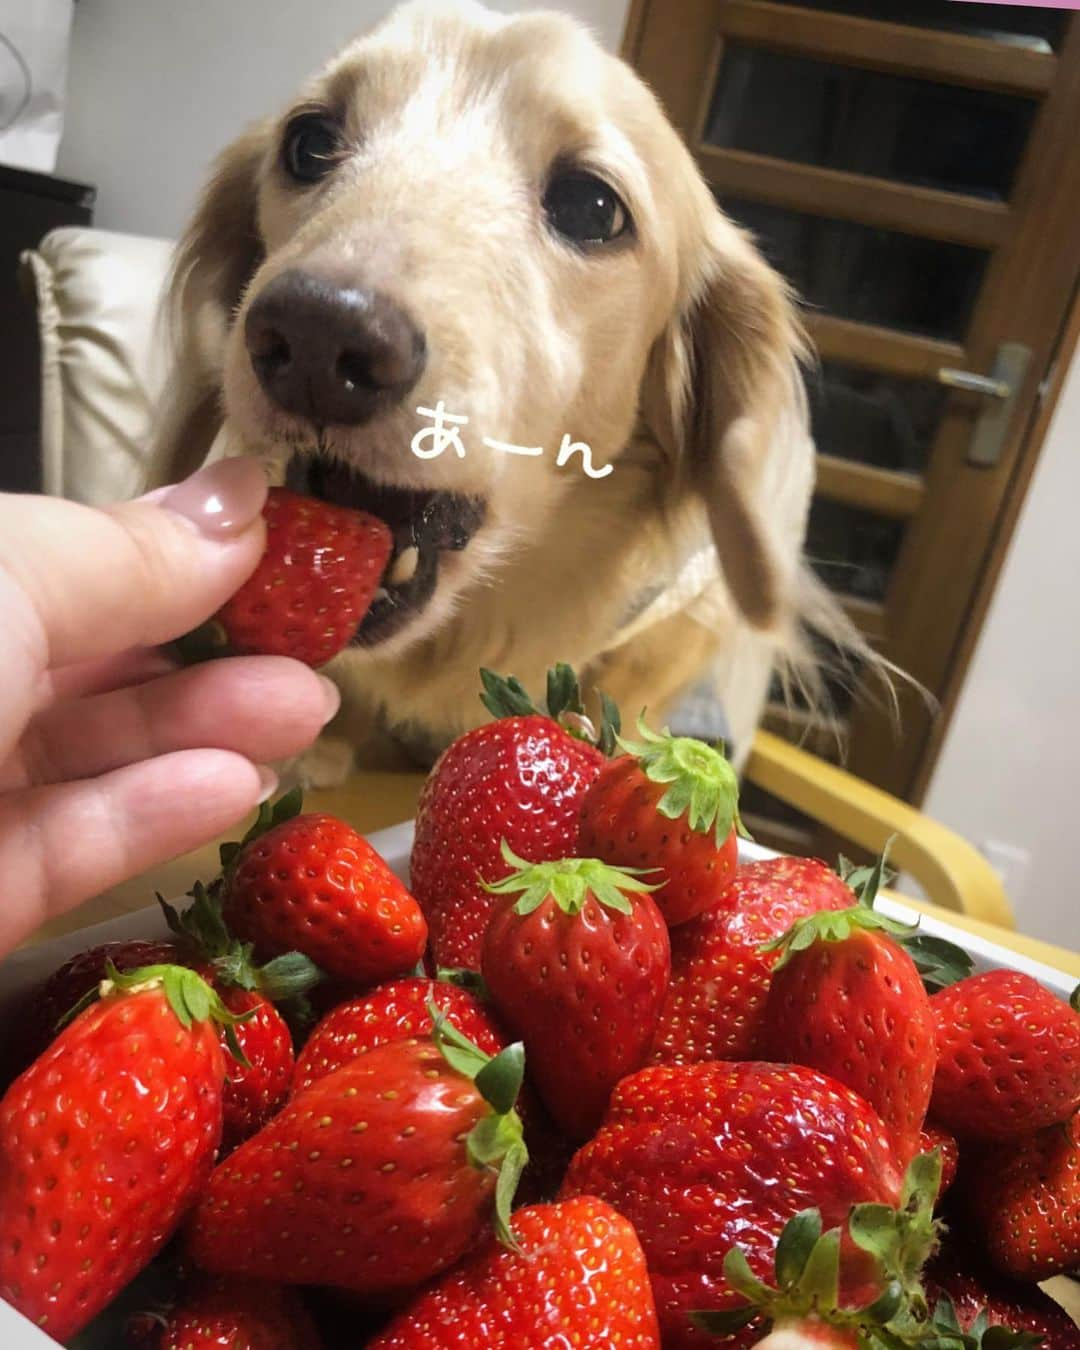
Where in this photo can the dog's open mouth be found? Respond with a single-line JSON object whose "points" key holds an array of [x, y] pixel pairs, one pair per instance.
{"points": [[424, 524]]}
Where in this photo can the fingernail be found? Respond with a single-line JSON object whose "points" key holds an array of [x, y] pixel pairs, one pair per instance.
{"points": [[269, 780], [222, 499], [332, 697]]}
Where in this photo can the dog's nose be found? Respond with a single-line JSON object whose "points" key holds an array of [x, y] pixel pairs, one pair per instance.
{"points": [[331, 353]]}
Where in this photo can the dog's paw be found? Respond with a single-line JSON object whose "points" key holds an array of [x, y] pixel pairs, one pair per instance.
{"points": [[327, 764]]}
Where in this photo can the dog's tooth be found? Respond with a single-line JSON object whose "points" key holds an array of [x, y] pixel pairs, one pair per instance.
{"points": [[381, 594], [405, 565]]}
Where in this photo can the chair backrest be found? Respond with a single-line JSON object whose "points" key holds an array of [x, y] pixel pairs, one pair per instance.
{"points": [[104, 357]]}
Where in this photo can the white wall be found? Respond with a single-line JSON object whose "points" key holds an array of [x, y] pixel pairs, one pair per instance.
{"points": [[157, 87], [1010, 769]]}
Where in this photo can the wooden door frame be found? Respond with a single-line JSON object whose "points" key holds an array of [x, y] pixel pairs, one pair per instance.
{"points": [[1001, 491], [1068, 350]]}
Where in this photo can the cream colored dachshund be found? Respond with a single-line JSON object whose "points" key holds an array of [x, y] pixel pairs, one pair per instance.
{"points": [[472, 281]]}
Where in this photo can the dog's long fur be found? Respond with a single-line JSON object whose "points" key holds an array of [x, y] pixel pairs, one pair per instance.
{"points": [[675, 355]]}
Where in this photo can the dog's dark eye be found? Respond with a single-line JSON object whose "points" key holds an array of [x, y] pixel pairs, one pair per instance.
{"points": [[311, 147], [583, 209]]}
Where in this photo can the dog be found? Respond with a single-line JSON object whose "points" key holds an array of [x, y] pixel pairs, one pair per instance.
{"points": [[468, 215]]}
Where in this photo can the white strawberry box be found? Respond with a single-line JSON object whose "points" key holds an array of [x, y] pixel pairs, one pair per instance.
{"points": [[23, 970]]}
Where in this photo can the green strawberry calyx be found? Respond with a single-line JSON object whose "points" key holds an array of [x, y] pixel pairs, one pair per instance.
{"points": [[189, 996], [506, 696], [496, 1142], [569, 882], [939, 962], [807, 1272], [806, 1266], [202, 931], [701, 784], [270, 815]]}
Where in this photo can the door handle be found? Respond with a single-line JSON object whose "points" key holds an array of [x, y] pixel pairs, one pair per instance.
{"points": [[1000, 389], [974, 383]]}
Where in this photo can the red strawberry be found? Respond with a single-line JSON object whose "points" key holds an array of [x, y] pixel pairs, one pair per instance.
{"points": [[702, 1157], [314, 584], [46, 1006], [393, 1012], [933, 1136], [720, 969], [520, 779], [579, 1279], [577, 961], [1024, 1197], [256, 1090], [377, 1177], [961, 1290], [105, 1142], [670, 803], [848, 1000], [1008, 1056], [239, 1315], [311, 884]]}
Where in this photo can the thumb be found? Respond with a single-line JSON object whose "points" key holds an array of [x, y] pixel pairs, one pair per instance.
{"points": [[94, 582]]}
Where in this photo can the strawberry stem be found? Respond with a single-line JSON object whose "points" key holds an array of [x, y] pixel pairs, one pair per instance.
{"points": [[506, 696], [568, 882], [701, 784]]}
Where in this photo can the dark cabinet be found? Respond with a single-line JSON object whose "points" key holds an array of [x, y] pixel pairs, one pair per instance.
{"points": [[31, 204]]}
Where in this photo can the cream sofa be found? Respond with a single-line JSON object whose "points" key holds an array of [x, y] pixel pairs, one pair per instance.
{"points": [[104, 357]]}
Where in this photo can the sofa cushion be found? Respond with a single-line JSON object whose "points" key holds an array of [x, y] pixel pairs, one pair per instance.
{"points": [[104, 357]]}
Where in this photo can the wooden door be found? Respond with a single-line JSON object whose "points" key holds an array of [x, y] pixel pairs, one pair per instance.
{"points": [[914, 168]]}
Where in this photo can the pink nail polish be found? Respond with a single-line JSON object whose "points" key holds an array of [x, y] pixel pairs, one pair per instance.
{"points": [[222, 499]]}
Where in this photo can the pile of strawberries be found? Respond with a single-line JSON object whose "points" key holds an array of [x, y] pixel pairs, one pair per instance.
{"points": [[589, 1083]]}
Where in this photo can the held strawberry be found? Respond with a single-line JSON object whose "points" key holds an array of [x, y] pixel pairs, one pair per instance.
{"points": [[520, 778], [670, 803], [578, 1278], [376, 1178], [577, 961], [720, 965], [106, 1141], [313, 586], [848, 1000], [1008, 1057], [311, 884], [702, 1157]]}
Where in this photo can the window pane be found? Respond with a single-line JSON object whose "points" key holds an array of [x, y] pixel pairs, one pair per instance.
{"points": [[875, 276], [853, 551], [880, 420], [888, 126], [1036, 27]]}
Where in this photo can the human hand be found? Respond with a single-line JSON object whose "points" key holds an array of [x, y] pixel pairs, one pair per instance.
{"points": [[111, 759]]}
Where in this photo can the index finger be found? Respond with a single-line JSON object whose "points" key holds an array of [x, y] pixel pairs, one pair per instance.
{"points": [[79, 584]]}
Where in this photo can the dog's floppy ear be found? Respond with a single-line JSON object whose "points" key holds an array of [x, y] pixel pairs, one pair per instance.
{"points": [[215, 259], [724, 388]]}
